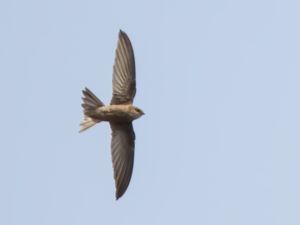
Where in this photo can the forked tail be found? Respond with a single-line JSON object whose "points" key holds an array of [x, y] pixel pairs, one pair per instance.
{"points": [[90, 102]]}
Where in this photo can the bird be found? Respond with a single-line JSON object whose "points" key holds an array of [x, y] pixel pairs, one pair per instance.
{"points": [[120, 113]]}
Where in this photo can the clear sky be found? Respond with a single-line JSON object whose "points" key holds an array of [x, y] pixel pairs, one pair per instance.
{"points": [[219, 82]]}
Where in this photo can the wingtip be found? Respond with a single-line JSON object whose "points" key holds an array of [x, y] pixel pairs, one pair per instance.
{"points": [[122, 33], [119, 193], [118, 196]]}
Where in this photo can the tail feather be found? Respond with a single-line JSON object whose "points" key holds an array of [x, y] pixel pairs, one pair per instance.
{"points": [[90, 102], [87, 123], [90, 99]]}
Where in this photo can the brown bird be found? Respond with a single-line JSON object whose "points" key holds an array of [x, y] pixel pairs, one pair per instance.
{"points": [[120, 113]]}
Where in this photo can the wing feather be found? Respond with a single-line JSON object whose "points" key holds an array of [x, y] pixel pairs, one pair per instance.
{"points": [[122, 151], [124, 84]]}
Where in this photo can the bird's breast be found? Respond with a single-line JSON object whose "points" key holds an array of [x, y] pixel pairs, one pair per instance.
{"points": [[114, 113]]}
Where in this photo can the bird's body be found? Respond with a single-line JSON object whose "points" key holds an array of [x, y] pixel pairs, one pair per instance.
{"points": [[120, 113], [115, 113]]}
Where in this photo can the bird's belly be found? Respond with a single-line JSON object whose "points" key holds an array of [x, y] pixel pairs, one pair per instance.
{"points": [[113, 113]]}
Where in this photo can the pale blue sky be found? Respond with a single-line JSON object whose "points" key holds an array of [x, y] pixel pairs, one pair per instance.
{"points": [[219, 82]]}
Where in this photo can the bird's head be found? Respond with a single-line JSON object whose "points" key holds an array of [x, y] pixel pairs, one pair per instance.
{"points": [[137, 112]]}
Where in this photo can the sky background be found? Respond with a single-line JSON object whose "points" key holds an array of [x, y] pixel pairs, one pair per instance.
{"points": [[219, 82]]}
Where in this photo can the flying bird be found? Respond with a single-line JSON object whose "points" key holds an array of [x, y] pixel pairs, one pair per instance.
{"points": [[120, 113]]}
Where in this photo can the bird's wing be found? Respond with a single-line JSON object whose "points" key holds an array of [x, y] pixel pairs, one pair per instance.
{"points": [[122, 150], [123, 72]]}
